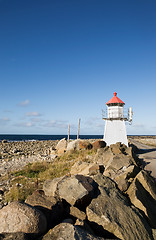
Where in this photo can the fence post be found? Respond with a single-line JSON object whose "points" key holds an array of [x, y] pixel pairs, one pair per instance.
{"points": [[78, 129], [68, 132]]}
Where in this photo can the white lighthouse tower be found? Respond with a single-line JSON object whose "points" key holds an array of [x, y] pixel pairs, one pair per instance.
{"points": [[115, 129]]}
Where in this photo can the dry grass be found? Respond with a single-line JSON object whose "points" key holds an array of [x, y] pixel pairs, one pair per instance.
{"points": [[20, 189], [32, 176]]}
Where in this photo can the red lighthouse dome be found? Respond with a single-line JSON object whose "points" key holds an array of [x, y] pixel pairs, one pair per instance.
{"points": [[115, 100]]}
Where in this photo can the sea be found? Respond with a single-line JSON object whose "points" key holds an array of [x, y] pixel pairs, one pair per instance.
{"points": [[22, 137]]}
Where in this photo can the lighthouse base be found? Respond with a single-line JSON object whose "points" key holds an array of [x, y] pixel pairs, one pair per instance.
{"points": [[115, 131]]}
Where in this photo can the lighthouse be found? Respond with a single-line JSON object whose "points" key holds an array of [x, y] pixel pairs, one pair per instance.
{"points": [[115, 129]]}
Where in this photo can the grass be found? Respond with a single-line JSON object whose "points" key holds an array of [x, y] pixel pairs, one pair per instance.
{"points": [[24, 182]]}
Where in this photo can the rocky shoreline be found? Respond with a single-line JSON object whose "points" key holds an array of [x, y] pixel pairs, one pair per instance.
{"points": [[105, 195], [15, 155]]}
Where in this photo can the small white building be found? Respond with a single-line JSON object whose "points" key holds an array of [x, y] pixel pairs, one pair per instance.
{"points": [[115, 129]]}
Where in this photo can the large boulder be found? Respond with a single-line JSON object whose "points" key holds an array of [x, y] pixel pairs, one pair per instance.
{"points": [[49, 186], [116, 148], [50, 206], [125, 176], [116, 164], [61, 146], [86, 168], [112, 212], [81, 168], [103, 156], [85, 144], [38, 198], [99, 144], [67, 231], [77, 190], [20, 217], [73, 145], [142, 193], [119, 161]]}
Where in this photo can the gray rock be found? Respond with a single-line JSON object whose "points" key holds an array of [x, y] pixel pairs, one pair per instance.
{"points": [[123, 176], [81, 168], [119, 161], [61, 144], [142, 193], [20, 217], [73, 145], [66, 231], [116, 164], [50, 186], [75, 212], [95, 169], [112, 211], [50, 206], [116, 148], [76, 190], [103, 156]]}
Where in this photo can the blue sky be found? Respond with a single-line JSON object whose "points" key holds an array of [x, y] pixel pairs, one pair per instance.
{"points": [[61, 60]]}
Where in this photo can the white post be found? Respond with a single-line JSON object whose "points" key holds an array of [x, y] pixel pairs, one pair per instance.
{"points": [[78, 129], [68, 132]]}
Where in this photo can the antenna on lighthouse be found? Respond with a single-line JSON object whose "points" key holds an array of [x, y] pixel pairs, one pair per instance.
{"points": [[130, 114], [103, 113]]}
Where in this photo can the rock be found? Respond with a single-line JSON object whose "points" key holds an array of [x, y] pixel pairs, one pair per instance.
{"points": [[61, 146], [75, 212], [123, 184], [111, 211], [49, 186], [115, 148], [131, 171], [99, 144], [81, 168], [61, 151], [20, 217], [50, 206], [86, 168], [142, 193], [76, 190], [39, 199], [73, 145], [84, 225], [16, 236], [85, 145], [117, 163], [122, 179], [66, 231], [118, 148], [129, 151], [95, 169], [154, 234], [103, 155]]}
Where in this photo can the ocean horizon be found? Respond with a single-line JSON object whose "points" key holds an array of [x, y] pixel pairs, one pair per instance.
{"points": [[44, 137]]}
